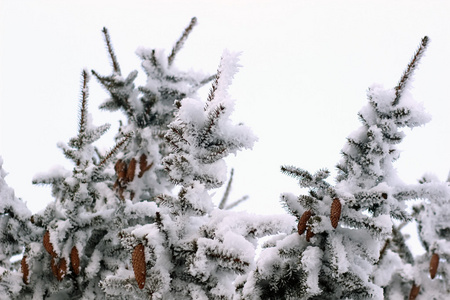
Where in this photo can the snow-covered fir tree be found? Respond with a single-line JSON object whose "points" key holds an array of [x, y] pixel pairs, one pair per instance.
{"points": [[191, 250], [15, 229], [425, 276], [76, 231], [149, 110], [139, 221], [340, 227], [432, 269]]}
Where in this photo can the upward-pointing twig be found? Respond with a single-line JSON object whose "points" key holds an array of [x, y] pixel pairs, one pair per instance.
{"points": [[227, 191], [115, 149], [410, 70], [179, 44], [114, 62], [83, 109]]}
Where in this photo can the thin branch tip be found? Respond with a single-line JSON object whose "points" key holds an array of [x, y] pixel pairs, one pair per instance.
{"points": [[407, 74], [110, 49], [179, 44]]}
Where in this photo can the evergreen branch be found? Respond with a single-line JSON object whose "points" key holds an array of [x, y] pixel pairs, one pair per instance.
{"points": [[308, 202], [410, 70], [115, 149], [99, 155], [206, 80], [386, 245], [70, 153], [112, 55], [213, 117], [154, 61], [400, 242], [226, 259], [179, 44], [321, 174], [83, 107], [297, 173], [236, 203], [227, 191], [120, 91], [212, 90]]}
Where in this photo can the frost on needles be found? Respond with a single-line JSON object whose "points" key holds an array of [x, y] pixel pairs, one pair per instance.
{"points": [[118, 226], [336, 247], [139, 221]]}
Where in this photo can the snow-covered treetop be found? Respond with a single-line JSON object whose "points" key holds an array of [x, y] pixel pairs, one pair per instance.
{"points": [[201, 135]]}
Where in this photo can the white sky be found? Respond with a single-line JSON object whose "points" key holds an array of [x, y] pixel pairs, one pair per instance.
{"points": [[306, 68]]}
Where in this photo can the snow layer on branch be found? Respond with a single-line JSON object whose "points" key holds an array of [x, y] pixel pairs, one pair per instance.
{"points": [[55, 172], [8, 201], [229, 66], [249, 225], [390, 264], [312, 261], [93, 266]]}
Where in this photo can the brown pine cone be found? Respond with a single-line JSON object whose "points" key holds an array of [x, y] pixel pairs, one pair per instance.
{"points": [[415, 289], [48, 245], [131, 170], [121, 170], [75, 260], [434, 264], [335, 213], [143, 167], [25, 269], [302, 222], [309, 234], [139, 266], [59, 269]]}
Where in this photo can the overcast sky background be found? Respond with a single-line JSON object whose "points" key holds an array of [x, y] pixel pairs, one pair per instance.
{"points": [[306, 68]]}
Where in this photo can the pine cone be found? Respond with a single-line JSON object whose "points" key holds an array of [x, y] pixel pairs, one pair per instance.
{"points": [[143, 167], [335, 213], [48, 245], [434, 263], [415, 289], [309, 234], [25, 269], [139, 266], [75, 260], [131, 170], [303, 220], [121, 170], [59, 269]]}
